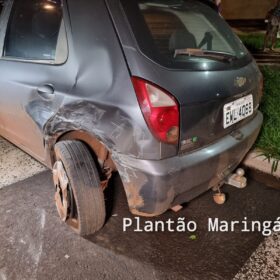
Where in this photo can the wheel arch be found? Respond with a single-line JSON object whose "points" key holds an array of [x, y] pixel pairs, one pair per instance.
{"points": [[100, 153]]}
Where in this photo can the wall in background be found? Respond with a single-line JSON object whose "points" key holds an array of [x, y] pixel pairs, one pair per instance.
{"points": [[247, 9]]}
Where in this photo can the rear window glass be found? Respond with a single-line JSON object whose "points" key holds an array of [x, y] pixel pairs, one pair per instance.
{"points": [[162, 27], [36, 31]]}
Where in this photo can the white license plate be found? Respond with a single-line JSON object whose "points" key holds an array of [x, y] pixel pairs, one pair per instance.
{"points": [[238, 110]]}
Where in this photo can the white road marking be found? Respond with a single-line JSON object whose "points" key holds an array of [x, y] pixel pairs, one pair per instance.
{"points": [[15, 165], [264, 262]]}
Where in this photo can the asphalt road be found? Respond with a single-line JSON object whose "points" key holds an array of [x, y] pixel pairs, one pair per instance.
{"points": [[34, 244]]}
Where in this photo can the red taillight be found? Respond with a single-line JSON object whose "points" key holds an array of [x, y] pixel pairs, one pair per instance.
{"points": [[160, 110]]}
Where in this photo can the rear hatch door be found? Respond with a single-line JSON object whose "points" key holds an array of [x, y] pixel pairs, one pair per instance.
{"points": [[186, 48]]}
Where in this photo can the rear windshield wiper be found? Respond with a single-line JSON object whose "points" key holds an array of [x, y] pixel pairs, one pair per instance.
{"points": [[214, 55]]}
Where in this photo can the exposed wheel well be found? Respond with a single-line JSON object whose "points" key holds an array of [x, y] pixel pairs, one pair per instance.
{"points": [[101, 155]]}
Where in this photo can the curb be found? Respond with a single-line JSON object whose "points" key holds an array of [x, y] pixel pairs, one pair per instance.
{"points": [[254, 161], [260, 169]]}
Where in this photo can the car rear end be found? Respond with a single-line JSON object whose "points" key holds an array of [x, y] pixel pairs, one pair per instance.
{"points": [[199, 91]]}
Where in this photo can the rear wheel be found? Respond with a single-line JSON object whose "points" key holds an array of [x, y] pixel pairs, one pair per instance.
{"points": [[79, 197]]}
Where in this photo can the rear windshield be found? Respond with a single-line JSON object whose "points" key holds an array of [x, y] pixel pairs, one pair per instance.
{"points": [[163, 27]]}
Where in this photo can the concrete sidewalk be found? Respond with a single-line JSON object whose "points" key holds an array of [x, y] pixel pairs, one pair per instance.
{"points": [[15, 165]]}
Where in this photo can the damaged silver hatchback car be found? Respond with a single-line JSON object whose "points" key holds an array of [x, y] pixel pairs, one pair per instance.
{"points": [[161, 91]]}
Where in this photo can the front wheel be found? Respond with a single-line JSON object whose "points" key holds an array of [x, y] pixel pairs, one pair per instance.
{"points": [[79, 197]]}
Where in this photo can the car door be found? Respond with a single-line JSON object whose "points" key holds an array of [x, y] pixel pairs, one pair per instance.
{"points": [[35, 73]]}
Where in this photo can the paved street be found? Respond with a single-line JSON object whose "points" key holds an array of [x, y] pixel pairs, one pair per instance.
{"points": [[34, 244]]}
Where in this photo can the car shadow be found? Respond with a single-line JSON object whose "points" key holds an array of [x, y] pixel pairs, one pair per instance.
{"points": [[202, 254]]}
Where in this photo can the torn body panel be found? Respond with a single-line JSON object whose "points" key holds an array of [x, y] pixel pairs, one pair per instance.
{"points": [[108, 124]]}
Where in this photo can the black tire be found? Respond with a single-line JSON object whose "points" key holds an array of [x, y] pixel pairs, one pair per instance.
{"points": [[85, 185]]}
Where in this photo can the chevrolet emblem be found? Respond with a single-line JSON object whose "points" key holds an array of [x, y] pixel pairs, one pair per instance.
{"points": [[240, 81]]}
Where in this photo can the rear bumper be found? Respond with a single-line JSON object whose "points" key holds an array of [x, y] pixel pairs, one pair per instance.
{"points": [[154, 186]]}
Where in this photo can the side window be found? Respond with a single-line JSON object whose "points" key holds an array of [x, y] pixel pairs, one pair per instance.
{"points": [[36, 31], [1, 6]]}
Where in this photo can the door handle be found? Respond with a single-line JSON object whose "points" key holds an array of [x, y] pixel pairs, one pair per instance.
{"points": [[46, 91]]}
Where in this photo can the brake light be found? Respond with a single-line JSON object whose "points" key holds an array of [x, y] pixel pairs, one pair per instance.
{"points": [[159, 109]]}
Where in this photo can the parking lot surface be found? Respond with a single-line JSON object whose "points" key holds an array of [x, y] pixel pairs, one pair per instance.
{"points": [[34, 244]]}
